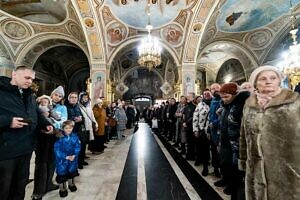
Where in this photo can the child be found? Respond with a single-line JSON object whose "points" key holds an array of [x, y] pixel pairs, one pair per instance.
{"points": [[45, 101], [66, 150]]}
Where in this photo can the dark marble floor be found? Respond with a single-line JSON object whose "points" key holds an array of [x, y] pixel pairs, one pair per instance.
{"points": [[161, 181]]}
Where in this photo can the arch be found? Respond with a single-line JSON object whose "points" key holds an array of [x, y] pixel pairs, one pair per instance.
{"points": [[140, 80], [231, 70], [6, 53], [246, 53], [137, 67], [170, 50], [44, 38]]}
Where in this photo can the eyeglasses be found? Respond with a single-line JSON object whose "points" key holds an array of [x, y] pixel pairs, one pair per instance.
{"points": [[73, 97]]}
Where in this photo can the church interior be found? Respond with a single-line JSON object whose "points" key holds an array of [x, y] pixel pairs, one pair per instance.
{"points": [[100, 46]]}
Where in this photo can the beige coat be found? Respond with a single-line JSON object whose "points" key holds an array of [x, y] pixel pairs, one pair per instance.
{"points": [[270, 148]]}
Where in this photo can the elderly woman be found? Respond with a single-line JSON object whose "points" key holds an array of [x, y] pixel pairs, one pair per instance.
{"points": [[270, 139]]}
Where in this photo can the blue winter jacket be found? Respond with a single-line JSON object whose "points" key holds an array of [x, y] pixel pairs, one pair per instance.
{"points": [[67, 145]]}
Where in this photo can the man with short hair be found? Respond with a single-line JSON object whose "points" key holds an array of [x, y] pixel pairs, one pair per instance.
{"points": [[19, 117]]}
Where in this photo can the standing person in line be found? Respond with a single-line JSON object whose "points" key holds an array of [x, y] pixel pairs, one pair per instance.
{"points": [[270, 139], [66, 150], [100, 115], [90, 123], [74, 114], [44, 156], [202, 138], [19, 118], [121, 119], [214, 130]]}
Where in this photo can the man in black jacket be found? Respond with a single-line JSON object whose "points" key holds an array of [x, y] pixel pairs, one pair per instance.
{"points": [[19, 118]]}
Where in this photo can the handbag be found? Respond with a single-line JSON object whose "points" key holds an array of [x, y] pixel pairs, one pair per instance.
{"points": [[93, 122]]}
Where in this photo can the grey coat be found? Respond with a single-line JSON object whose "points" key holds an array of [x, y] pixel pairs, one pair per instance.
{"points": [[270, 148]]}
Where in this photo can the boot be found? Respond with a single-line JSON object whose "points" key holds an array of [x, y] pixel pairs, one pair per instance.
{"points": [[71, 185], [217, 173], [63, 190], [220, 183], [204, 170]]}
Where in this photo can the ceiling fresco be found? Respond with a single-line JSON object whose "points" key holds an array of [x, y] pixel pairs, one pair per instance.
{"points": [[245, 15], [162, 12]]}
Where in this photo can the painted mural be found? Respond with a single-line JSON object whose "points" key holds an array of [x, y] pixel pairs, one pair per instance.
{"points": [[188, 84], [141, 81], [116, 32], [173, 34], [245, 15], [162, 12], [98, 85]]}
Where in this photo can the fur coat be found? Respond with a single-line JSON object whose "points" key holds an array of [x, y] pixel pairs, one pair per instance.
{"points": [[270, 148]]}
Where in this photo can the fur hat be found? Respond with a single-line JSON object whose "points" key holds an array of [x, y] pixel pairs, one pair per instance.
{"points": [[258, 70], [59, 90], [38, 100], [229, 88]]}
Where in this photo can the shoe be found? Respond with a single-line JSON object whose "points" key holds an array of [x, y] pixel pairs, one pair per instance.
{"points": [[175, 145], [123, 135], [217, 173], [85, 163], [37, 197], [104, 146], [86, 157], [52, 187], [220, 183], [197, 163], [72, 188], [63, 193], [80, 167], [204, 171], [227, 191]]}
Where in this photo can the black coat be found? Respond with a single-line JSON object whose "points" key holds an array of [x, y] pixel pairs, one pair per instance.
{"points": [[18, 141], [230, 124]]}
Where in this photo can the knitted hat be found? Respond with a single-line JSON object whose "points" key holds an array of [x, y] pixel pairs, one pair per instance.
{"points": [[258, 70], [58, 90], [38, 100], [229, 88]]}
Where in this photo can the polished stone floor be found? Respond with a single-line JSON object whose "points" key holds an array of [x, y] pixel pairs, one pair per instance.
{"points": [[140, 166]]}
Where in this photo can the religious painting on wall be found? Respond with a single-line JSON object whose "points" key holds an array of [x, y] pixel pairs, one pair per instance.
{"points": [[143, 81], [173, 34], [98, 85], [121, 88], [188, 84], [116, 32]]}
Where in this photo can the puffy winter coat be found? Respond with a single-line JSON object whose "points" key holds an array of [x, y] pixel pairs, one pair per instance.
{"points": [[16, 142], [67, 145], [270, 148]]}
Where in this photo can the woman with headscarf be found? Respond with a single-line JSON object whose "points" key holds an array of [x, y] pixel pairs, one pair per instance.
{"points": [[270, 139]]}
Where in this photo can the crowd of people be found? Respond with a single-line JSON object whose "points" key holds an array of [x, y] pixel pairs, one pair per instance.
{"points": [[59, 131], [249, 134]]}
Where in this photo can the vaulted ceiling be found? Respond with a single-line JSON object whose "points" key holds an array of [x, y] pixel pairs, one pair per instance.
{"points": [[217, 30]]}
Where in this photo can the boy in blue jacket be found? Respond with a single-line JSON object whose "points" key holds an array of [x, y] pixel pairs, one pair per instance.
{"points": [[66, 150]]}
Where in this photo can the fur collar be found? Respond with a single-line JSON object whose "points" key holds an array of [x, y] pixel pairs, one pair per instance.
{"points": [[286, 96]]}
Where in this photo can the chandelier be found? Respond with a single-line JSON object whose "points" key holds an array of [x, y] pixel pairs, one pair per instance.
{"points": [[292, 57], [149, 49]]}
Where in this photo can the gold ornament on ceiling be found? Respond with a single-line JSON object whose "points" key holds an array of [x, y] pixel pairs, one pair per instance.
{"points": [[89, 22]]}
